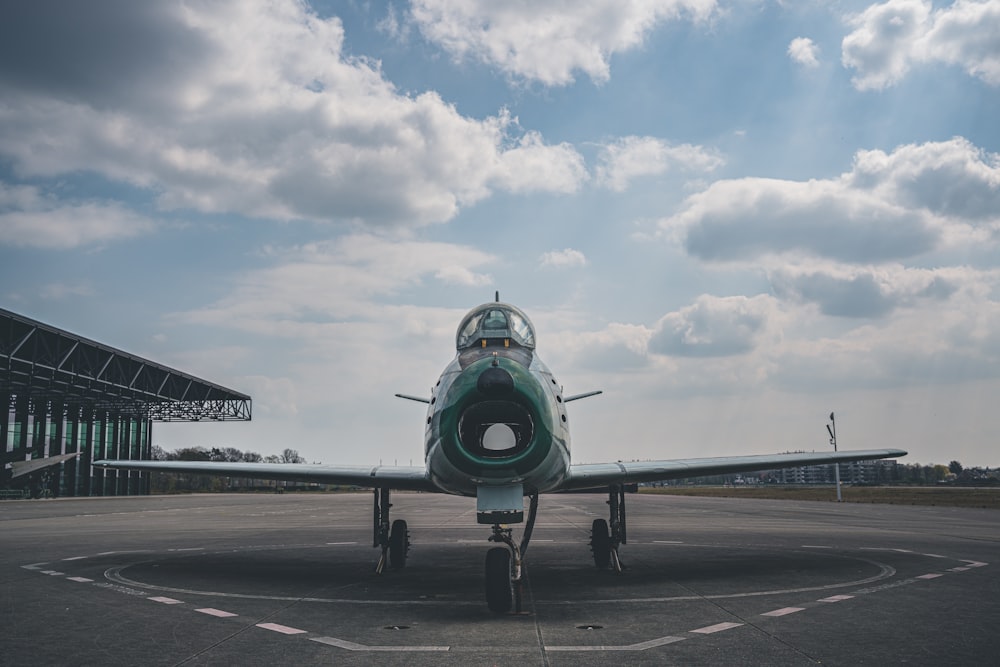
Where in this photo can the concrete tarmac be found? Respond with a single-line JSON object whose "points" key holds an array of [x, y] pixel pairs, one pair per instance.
{"points": [[288, 579]]}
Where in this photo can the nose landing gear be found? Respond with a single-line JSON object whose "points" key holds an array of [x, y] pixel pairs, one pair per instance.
{"points": [[505, 565]]}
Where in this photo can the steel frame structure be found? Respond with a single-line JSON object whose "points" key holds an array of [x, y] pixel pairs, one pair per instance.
{"points": [[66, 394], [45, 362]]}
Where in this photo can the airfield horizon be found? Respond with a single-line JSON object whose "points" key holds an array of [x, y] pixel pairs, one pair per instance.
{"points": [[960, 496], [933, 496]]}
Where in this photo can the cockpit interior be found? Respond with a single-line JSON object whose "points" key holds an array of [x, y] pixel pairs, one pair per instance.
{"points": [[495, 324]]}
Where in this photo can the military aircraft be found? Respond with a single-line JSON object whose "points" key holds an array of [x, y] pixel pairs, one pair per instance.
{"points": [[497, 429]]}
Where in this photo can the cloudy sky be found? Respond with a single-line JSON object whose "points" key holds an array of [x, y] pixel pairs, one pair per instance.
{"points": [[733, 216]]}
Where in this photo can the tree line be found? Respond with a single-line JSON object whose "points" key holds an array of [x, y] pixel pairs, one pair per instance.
{"points": [[953, 473], [887, 473], [168, 482]]}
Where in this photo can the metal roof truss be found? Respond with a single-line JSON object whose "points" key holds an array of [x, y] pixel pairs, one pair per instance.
{"points": [[47, 363]]}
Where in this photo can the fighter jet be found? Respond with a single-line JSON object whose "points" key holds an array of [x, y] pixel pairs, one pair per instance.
{"points": [[497, 429]]}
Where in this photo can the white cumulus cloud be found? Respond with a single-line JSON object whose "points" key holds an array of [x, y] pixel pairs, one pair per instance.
{"points": [[714, 327], [889, 38], [330, 281], [804, 51], [29, 217], [250, 107], [566, 258], [889, 207], [548, 40], [868, 291], [631, 157]]}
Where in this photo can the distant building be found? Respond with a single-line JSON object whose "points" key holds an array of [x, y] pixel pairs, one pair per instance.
{"points": [[857, 472], [68, 395]]}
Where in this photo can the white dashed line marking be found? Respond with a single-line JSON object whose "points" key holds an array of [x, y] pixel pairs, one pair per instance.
{"points": [[784, 611], [641, 646], [718, 627], [352, 646], [218, 613], [283, 629], [123, 589]]}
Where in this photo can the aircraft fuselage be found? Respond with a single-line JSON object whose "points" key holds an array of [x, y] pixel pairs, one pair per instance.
{"points": [[496, 416]]}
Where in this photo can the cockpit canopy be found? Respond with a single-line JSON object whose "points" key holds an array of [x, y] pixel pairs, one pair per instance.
{"points": [[495, 322]]}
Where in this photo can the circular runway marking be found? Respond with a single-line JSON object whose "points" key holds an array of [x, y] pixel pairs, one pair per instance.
{"points": [[117, 575], [131, 586]]}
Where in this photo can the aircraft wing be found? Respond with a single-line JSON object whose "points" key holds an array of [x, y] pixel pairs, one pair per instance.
{"points": [[19, 468], [596, 475], [408, 478]]}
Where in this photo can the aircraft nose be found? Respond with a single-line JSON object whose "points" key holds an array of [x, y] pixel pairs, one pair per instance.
{"points": [[495, 381]]}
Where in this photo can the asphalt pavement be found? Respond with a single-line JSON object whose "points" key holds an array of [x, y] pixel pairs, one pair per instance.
{"points": [[289, 579]]}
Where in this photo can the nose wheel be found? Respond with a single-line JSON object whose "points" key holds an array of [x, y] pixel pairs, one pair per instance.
{"points": [[505, 565], [499, 580]]}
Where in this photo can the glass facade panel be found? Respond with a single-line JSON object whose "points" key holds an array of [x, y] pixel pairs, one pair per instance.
{"points": [[37, 428], [53, 382]]}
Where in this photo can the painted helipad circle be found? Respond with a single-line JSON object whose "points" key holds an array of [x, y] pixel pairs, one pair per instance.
{"points": [[342, 574]]}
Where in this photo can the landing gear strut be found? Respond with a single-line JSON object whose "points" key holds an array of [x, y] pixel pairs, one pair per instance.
{"points": [[505, 565], [394, 539], [604, 541]]}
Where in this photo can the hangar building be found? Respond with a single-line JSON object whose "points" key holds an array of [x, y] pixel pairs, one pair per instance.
{"points": [[68, 395]]}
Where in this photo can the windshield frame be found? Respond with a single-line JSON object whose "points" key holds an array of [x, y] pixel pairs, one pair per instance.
{"points": [[518, 329]]}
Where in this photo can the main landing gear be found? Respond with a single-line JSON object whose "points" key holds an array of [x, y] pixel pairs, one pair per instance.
{"points": [[604, 541], [394, 539], [505, 565]]}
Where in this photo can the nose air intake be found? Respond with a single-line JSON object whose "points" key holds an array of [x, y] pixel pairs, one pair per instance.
{"points": [[499, 426]]}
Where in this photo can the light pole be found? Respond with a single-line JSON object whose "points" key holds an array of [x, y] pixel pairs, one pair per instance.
{"points": [[831, 428]]}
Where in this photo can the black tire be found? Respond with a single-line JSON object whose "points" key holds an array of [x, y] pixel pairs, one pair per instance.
{"points": [[499, 590], [600, 543], [399, 544]]}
